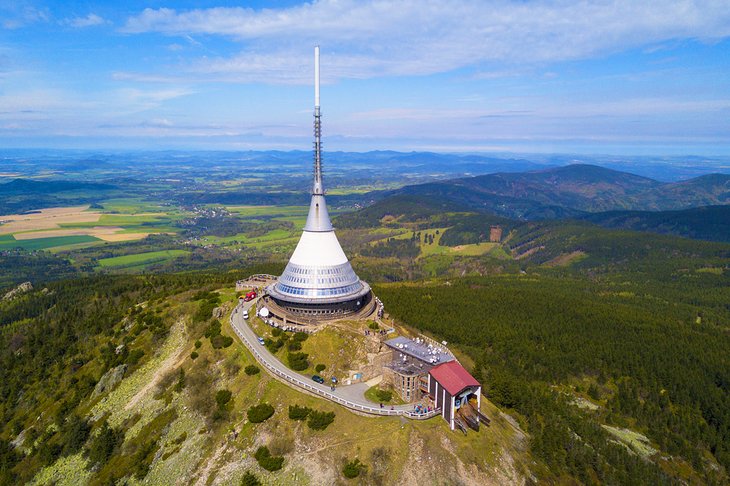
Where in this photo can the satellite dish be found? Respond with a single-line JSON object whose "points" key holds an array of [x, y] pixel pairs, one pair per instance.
{"points": [[264, 312]]}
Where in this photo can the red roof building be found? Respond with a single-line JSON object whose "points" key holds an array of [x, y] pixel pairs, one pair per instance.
{"points": [[452, 388]]}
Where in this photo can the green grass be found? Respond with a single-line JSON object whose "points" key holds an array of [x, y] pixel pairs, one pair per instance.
{"points": [[141, 259], [372, 395], [131, 205], [7, 242]]}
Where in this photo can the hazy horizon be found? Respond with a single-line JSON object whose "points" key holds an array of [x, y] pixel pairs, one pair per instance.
{"points": [[532, 77]]}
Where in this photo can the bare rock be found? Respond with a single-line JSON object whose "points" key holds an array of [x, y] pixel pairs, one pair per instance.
{"points": [[110, 379], [19, 290]]}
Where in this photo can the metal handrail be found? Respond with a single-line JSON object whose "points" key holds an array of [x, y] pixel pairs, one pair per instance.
{"points": [[329, 396]]}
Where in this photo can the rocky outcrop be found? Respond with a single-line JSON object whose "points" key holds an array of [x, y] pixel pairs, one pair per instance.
{"points": [[19, 290], [110, 379]]}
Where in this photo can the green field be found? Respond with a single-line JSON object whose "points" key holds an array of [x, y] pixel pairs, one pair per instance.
{"points": [[7, 242], [141, 259]]}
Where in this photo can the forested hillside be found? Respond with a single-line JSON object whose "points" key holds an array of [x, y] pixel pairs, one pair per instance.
{"points": [[702, 223], [650, 354], [571, 191]]}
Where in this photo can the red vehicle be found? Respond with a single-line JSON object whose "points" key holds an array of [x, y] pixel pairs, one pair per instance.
{"points": [[250, 296]]}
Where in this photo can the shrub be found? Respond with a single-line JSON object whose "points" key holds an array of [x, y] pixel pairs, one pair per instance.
{"points": [[272, 345], [353, 469], [180, 381], [260, 413], [194, 355], [134, 357], [374, 325], [298, 361], [384, 395], [102, 446], [213, 329], [198, 344], [267, 461], [320, 420], [74, 432], [221, 341], [300, 337], [222, 397], [298, 413], [250, 479], [251, 370], [319, 368], [294, 346], [276, 332]]}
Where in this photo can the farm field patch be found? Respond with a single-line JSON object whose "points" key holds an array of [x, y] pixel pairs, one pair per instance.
{"points": [[140, 259], [7, 242]]}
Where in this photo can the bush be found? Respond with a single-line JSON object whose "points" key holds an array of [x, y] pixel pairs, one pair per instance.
{"points": [[250, 479], [298, 361], [353, 469], [198, 344], [260, 413], [74, 433], [374, 326], [134, 357], [222, 397], [272, 345], [300, 337], [251, 370], [213, 329], [267, 461], [180, 381], [320, 420], [319, 368], [221, 341], [103, 445], [294, 346], [194, 355], [276, 332], [298, 413], [384, 395]]}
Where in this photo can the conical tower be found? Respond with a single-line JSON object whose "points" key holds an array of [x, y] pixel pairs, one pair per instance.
{"points": [[319, 280]]}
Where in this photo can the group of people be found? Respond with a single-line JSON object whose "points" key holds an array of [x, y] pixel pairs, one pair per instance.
{"points": [[422, 409], [368, 332]]}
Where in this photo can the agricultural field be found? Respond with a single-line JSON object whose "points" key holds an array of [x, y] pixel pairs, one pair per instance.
{"points": [[59, 228], [141, 260]]}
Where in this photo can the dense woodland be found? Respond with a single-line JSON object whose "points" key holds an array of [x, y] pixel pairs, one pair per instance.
{"points": [[643, 327]]}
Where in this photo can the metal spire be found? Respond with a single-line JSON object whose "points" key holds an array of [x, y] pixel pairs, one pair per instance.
{"points": [[318, 188]]}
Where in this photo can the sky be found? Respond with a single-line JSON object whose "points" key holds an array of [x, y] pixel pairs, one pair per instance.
{"points": [[604, 77]]}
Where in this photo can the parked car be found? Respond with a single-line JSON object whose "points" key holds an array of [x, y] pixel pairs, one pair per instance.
{"points": [[318, 379], [261, 341]]}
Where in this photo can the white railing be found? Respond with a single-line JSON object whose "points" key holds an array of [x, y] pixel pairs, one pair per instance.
{"points": [[306, 386]]}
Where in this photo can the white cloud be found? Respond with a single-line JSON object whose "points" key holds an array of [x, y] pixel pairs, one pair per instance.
{"points": [[90, 20], [363, 39], [15, 15]]}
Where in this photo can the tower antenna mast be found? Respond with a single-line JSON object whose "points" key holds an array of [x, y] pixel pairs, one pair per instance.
{"points": [[318, 188]]}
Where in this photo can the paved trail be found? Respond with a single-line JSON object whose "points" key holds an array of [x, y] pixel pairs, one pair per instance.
{"points": [[350, 396]]}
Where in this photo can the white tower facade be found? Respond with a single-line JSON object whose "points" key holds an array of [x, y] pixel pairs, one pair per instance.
{"points": [[319, 280]]}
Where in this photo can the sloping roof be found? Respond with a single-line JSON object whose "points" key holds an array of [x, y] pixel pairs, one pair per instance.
{"points": [[453, 377]]}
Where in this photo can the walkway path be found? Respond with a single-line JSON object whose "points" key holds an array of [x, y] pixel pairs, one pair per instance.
{"points": [[350, 396]]}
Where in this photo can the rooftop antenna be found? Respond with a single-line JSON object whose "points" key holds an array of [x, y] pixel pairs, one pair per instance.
{"points": [[318, 188]]}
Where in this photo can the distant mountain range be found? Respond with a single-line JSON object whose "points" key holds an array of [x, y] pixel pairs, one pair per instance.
{"points": [[572, 191], [29, 186], [697, 208]]}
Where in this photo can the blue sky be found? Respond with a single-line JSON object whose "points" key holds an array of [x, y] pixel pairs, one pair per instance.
{"points": [[616, 77]]}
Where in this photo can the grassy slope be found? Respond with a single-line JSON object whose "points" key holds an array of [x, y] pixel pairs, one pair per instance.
{"points": [[192, 447]]}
